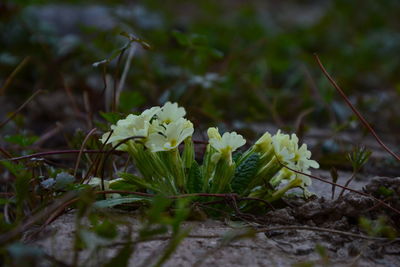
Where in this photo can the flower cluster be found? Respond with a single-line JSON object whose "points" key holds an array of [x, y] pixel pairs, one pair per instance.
{"points": [[160, 128], [277, 152], [260, 171]]}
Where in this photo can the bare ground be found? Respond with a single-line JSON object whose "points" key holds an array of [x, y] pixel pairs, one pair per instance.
{"points": [[272, 248], [281, 248]]}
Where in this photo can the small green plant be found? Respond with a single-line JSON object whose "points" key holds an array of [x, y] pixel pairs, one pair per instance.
{"points": [[378, 227], [259, 172], [358, 158]]}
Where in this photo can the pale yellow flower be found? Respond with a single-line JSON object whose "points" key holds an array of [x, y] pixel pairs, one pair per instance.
{"points": [[172, 135], [264, 144], [302, 159], [282, 148], [148, 114], [213, 132], [298, 158], [287, 149], [228, 143], [132, 125], [170, 112], [95, 182]]}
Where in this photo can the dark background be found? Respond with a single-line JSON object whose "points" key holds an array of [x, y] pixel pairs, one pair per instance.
{"points": [[243, 65]]}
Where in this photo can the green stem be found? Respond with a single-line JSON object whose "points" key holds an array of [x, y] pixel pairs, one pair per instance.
{"points": [[177, 170], [266, 173], [279, 194], [223, 176]]}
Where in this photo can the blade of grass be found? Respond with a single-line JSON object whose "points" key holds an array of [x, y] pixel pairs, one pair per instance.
{"points": [[10, 117], [13, 74]]}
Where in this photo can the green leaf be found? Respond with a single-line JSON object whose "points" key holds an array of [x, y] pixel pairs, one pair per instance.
{"points": [[140, 182], [15, 169], [172, 246], [109, 203], [198, 40], [123, 185], [358, 157], [236, 156], [384, 191], [63, 180], [4, 201], [244, 173], [181, 211], [22, 252], [21, 140], [181, 38], [130, 100], [22, 188], [236, 234], [195, 180], [122, 257], [106, 229], [111, 117], [156, 213]]}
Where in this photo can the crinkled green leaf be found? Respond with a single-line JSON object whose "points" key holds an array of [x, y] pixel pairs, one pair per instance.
{"points": [[236, 156], [244, 173], [194, 180]]}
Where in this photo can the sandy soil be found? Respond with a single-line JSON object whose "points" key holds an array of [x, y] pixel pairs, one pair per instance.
{"points": [[280, 248]]}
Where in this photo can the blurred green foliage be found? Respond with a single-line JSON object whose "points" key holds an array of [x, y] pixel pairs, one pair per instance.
{"points": [[209, 55]]}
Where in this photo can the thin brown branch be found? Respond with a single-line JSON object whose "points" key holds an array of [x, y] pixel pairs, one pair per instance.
{"points": [[61, 209], [70, 96], [81, 150], [353, 175], [327, 230], [59, 152], [355, 111], [109, 152], [47, 135], [95, 165], [341, 186], [5, 153], [266, 229]]}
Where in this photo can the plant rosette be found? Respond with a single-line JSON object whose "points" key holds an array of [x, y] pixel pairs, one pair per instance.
{"points": [[165, 169]]}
